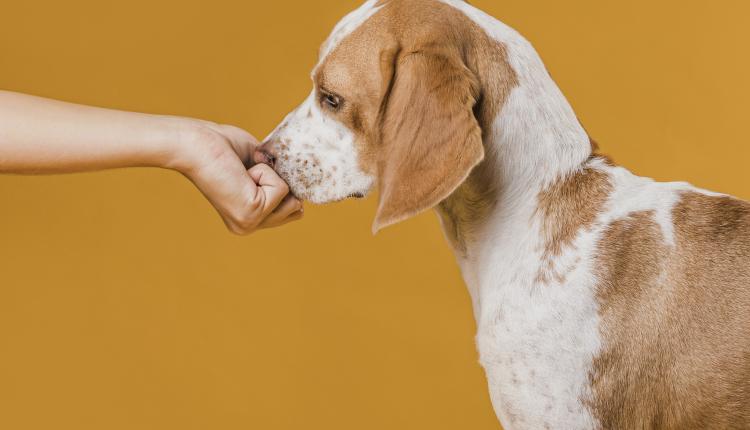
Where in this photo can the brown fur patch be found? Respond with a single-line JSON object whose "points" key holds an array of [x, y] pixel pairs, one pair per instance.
{"points": [[430, 138], [566, 207], [572, 204], [675, 330]]}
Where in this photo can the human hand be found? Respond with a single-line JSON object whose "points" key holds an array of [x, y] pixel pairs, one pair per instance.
{"points": [[215, 158]]}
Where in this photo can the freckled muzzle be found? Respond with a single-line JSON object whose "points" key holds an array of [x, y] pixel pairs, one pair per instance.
{"points": [[316, 155], [301, 170]]}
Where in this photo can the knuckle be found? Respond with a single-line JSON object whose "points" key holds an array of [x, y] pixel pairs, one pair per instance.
{"points": [[262, 168]]}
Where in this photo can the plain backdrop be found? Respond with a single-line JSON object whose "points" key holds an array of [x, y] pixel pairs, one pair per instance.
{"points": [[124, 303]]}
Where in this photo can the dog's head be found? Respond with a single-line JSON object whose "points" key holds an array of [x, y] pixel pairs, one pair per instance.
{"points": [[393, 104]]}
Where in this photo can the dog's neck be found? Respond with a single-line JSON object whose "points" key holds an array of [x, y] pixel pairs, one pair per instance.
{"points": [[533, 141]]}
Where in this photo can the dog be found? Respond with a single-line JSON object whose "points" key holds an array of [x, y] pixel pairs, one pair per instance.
{"points": [[603, 300]]}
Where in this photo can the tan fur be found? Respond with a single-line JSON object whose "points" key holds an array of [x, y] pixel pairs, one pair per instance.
{"points": [[567, 207], [676, 351], [572, 204]]}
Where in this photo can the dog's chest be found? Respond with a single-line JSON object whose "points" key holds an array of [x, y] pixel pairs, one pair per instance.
{"points": [[536, 341]]}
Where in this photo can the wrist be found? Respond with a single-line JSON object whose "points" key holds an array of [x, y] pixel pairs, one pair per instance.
{"points": [[180, 144]]}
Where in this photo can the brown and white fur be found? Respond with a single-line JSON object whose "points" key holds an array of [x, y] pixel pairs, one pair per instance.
{"points": [[602, 299]]}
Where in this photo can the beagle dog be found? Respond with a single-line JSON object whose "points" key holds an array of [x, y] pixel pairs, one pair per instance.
{"points": [[603, 300]]}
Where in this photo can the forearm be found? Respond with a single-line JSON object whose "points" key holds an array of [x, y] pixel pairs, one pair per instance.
{"points": [[39, 135]]}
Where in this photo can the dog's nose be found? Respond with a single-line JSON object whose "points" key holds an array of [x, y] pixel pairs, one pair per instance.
{"points": [[265, 155]]}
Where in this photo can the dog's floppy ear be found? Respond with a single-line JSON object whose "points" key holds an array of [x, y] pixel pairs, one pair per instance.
{"points": [[430, 137]]}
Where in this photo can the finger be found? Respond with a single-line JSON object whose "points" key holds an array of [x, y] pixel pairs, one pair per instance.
{"points": [[233, 196], [295, 216], [264, 175], [274, 188], [287, 207]]}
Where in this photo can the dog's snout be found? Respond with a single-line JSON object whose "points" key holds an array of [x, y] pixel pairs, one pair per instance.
{"points": [[265, 155]]}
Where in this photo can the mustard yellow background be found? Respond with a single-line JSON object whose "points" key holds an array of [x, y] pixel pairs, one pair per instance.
{"points": [[124, 303]]}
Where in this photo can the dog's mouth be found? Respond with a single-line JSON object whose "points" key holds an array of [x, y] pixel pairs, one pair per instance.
{"points": [[356, 196]]}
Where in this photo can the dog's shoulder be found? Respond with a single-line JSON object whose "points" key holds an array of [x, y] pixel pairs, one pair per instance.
{"points": [[674, 296]]}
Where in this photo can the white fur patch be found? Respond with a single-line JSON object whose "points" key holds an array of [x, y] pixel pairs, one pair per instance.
{"points": [[317, 155], [636, 194]]}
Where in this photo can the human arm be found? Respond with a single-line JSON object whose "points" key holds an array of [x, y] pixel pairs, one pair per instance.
{"points": [[41, 136]]}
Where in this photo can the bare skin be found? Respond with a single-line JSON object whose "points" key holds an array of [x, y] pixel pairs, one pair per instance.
{"points": [[43, 136]]}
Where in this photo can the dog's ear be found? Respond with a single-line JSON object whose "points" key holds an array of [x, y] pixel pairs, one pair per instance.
{"points": [[430, 138]]}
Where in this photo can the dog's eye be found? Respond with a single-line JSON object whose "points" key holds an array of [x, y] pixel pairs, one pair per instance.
{"points": [[331, 101]]}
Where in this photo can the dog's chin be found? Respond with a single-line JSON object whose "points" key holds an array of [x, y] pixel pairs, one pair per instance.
{"points": [[322, 197], [315, 190]]}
